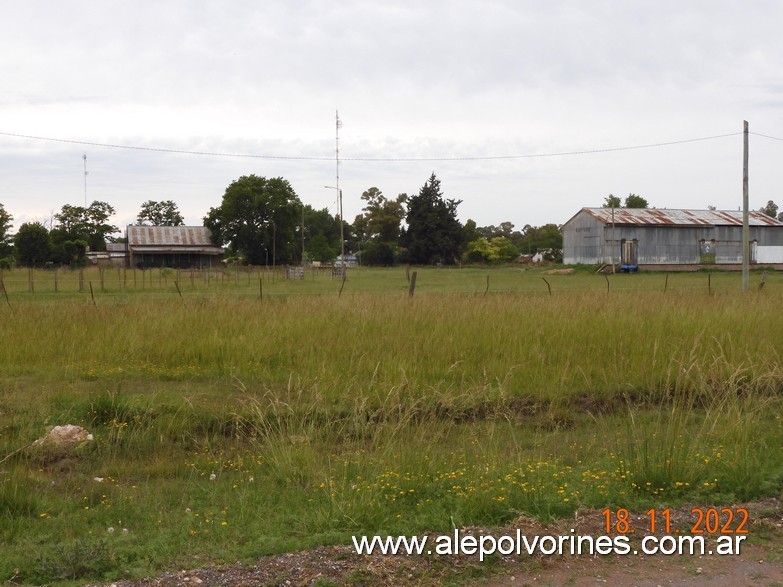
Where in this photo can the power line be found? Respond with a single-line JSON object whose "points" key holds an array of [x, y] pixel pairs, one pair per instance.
{"points": [[765, 136], [554, 154], [160, 149], [376, 159]]}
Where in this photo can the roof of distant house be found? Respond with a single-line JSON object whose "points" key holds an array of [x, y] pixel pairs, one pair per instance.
{"points": [[169, 236], [158, 239]]}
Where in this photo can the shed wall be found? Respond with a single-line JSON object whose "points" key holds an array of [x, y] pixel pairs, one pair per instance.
{"points": [[583, 240]]}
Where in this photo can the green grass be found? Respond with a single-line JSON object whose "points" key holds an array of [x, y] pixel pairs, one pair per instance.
{"points": [[228, 426]]}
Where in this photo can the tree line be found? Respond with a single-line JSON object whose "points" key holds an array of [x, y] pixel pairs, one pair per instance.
{"points": [[259, 219], [73, 231], [262, 221]]}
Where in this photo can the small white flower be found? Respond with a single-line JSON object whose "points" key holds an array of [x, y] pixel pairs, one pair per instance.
{"points": [[98, 479], [251, 479], [212, 477], [187, 510], [110, 530], [124, 530]]}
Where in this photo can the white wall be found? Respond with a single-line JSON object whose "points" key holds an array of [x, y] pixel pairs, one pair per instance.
{"points": [[769, 254]]}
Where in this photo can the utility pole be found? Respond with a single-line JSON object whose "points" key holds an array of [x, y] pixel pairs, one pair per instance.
{"points": [[745, 221], [342, 236], [613, 240]]}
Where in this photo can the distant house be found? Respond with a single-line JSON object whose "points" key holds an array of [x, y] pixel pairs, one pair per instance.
{"points": [[171, 246], [351, 260], [632, 237], [114, 255]]}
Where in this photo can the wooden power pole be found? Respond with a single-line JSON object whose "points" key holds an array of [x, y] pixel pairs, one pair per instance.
{"points": [[745, 222]]}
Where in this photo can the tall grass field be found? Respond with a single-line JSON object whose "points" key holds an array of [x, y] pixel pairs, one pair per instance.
{"points": [[239, 413]]}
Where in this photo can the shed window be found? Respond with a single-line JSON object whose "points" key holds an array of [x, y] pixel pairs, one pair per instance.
{"points": [[707, 251]]}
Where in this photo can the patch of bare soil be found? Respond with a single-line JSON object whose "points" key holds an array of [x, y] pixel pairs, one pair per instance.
{"points": [[760, 561]]}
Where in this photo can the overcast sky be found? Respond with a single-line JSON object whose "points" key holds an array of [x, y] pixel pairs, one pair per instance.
{"points": [[486, 95]]}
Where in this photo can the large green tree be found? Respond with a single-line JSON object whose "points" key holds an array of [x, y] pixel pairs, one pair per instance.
{"points": [[258, 219], [434, 233], [497, 249], [636, 201], [322, 234], [90, 225], [545, 239], [163, 213], [379, 227], [6, 221], [32, 245]]}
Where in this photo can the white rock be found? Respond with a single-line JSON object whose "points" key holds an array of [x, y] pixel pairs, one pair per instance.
{"points": [[64, 436]]}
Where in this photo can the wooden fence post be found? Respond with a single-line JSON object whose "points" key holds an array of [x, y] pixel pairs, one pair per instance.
{"points": [[5, 293]]}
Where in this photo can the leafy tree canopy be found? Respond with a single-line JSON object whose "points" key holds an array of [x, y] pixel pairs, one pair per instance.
{"points": [[91, 224], [434, 233], [631, 201], [506, 230], [635, 201], [547, 238], [771, 210], [322, 234], [258, 218], [5, 232], [470, 231], [378, 228], [163, 213], [31, 244], [497, 249]]}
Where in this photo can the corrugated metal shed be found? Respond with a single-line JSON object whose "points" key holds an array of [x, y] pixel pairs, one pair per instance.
{"points": [[669, 237], [653, 216]]}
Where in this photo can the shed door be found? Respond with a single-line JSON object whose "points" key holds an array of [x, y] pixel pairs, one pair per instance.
{"points": [[629, 252]]}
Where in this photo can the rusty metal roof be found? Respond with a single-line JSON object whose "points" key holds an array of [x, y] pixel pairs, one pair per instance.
{"points": [[169, 236], [658, 216]]}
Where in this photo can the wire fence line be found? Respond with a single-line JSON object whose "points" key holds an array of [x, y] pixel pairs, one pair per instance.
{"points": [[259, 282]]}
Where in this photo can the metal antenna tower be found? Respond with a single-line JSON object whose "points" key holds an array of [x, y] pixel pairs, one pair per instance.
{"points": [[337, 125], [84, 156]]}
